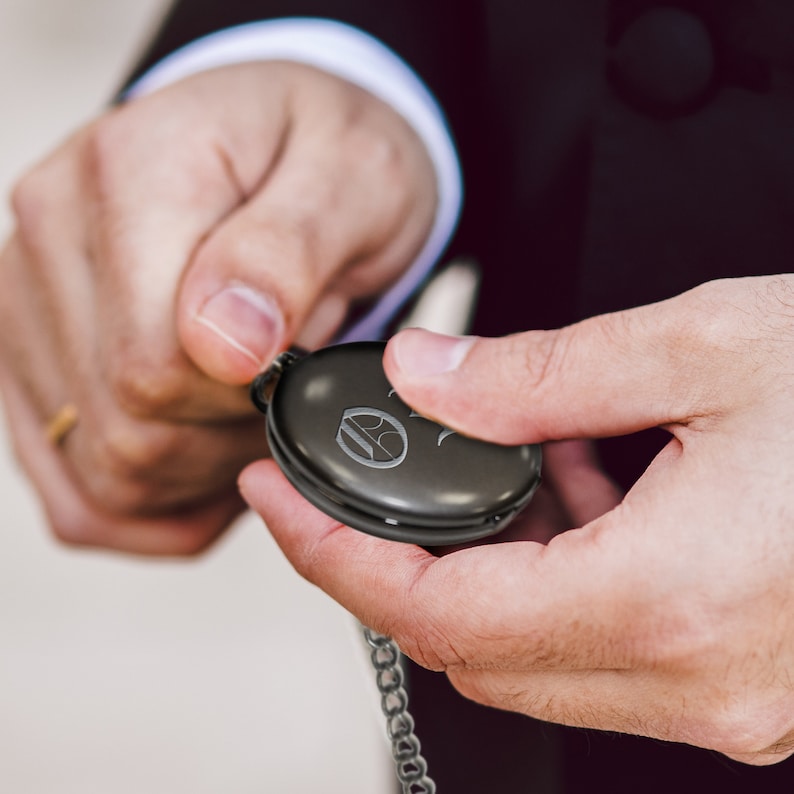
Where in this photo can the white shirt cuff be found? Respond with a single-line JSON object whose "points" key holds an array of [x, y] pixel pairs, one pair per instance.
{"points": [[361, 59]]}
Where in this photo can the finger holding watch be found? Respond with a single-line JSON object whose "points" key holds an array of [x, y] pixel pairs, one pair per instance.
{"points": [[126, 474]]}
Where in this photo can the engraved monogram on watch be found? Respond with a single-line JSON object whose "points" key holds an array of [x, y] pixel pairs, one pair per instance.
{"points": [[372, 437], [376, 439]]}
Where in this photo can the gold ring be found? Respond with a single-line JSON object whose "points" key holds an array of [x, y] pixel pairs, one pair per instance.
{"points": [[61, 424]]}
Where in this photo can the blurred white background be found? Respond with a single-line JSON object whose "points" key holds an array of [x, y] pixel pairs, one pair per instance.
{"points": [[121, 676]]}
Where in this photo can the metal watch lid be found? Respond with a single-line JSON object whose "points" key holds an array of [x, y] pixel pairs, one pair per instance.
{"points": [[355, 450]]}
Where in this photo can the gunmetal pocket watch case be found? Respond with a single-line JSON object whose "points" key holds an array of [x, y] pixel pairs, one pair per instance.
{"points": [[355, 450]]}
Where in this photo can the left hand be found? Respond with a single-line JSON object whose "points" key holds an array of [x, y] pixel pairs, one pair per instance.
{"points": [[162, 257], [670, 615]]}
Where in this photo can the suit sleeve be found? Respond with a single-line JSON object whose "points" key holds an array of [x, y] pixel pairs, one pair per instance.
{"points": [[439, 39]]}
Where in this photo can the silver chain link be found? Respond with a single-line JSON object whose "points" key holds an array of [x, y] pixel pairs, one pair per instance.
{"points": [[405, 747]]}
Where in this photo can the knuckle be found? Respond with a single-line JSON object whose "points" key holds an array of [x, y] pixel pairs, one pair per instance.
{"points": [[120, 496], [431, 642], [376, 145], [126, 450], [472, 685], [73, 528], [378, 152], [543, 356], [706, 324], [29, 203], [778, 291], [749, 726], [773, 304], [310, 560], [386, 158], [431, 649], [104, 142], [725, 323], [725, 314], [145, 386]]}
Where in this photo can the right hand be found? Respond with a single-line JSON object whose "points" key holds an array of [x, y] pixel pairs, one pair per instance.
{"points": [[162, 257], [668, 615]]}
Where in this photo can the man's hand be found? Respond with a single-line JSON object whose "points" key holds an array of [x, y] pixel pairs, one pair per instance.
{"points": [[162, 257], [668, 616]]}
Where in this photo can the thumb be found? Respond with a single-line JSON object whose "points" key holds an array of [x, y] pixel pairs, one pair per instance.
{"points": [[271, 273], [261, 281], [609, 375], [244, 293]]}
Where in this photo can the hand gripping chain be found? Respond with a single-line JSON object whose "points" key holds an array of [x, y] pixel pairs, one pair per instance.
{"points": [[411, 766]]}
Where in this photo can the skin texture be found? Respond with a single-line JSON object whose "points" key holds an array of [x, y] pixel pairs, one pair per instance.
{"points": [[667, 613], [162, 257]]}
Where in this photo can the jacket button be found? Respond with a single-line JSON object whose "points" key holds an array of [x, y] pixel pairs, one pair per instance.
{"points": [[663, 63]]}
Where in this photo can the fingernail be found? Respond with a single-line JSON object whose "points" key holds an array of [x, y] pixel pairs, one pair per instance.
{"points": [[421, 354], [246, 319]]}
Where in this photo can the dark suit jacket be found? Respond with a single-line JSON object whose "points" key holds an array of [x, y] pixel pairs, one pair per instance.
{"points": [[614, 153]]}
